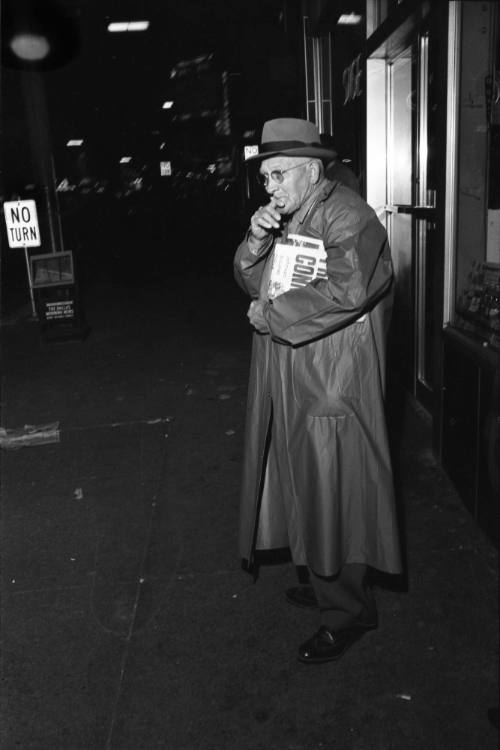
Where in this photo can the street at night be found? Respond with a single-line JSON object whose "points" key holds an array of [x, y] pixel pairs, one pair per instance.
{"points": [[127, 621], [130, 619]]}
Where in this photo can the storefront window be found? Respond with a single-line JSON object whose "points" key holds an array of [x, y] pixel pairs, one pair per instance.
{"points": [[477, 288], [318, 64]]}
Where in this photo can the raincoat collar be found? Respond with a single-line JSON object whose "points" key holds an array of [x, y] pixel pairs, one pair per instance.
{"points": [[320, 193]]}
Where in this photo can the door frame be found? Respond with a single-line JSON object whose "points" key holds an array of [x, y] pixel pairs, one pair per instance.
{"points": [[380, 49]]}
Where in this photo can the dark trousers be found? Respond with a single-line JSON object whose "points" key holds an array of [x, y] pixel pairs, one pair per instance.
{"points": [[345, 597]]}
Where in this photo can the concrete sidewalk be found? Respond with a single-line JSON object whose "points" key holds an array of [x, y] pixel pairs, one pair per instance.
{"points": [[127, 622]]}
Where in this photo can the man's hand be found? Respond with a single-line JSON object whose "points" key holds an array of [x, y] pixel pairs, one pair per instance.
{"points": [[265, 219], [256, 316]]}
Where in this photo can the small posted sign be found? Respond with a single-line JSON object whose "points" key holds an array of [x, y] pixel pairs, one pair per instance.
{"points": [[249, 151], [166, 169], [60, 310], [21, 221]]}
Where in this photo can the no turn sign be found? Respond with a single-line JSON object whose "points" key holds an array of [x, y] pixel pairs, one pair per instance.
{"points": [[249, 151], [21, 221]]}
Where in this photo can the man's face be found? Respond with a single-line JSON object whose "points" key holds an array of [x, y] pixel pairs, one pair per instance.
{"points": [[297, 185]]}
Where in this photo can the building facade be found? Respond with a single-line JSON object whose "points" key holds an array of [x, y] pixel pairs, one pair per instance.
{"points": [[410, 92]]}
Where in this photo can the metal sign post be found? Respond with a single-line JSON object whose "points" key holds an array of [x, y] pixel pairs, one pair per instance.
{"points": [[30, 282], [21, 221], [248, 151]]}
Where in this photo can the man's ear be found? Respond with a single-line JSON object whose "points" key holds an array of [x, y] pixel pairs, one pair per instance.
{"points": [[315, 172]]}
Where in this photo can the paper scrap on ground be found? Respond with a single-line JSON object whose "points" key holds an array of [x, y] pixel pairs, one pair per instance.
{"points": [[29, 435]]}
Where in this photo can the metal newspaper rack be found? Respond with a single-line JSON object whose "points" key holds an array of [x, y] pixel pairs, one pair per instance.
{"points": [[57, 297]]}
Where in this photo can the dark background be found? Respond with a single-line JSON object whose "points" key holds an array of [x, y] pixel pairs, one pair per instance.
{"points": [[108, 89]]}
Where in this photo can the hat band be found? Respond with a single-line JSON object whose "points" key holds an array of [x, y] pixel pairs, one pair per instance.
{"points": [[285, 145]]}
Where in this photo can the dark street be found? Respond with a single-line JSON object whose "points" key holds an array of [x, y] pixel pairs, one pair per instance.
{"points": [[127, 622]]}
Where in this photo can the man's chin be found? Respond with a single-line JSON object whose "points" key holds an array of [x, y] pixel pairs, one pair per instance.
{"points": [[288, 208]]}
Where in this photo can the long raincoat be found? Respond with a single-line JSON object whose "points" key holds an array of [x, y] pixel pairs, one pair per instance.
{"points": [[316, 473]]}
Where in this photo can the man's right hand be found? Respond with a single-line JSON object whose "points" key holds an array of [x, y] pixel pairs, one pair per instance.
{"points": [[265, 219]]}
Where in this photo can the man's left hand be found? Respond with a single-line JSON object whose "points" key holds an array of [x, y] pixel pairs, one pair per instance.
{"points": [[255, 315]]}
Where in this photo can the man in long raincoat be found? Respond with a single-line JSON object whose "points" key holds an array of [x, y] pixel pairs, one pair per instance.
{"points": [[317, 475]]}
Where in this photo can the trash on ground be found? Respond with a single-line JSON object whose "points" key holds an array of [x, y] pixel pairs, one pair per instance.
{"points": [[224, 396], [78, 493], [29, 435], [230, 432], [404, 696]]}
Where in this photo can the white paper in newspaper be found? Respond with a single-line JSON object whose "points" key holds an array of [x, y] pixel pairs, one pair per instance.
{"points": [[296, 264]]}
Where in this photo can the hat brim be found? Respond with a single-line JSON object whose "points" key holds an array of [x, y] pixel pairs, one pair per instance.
{"points": [[312, 151]]}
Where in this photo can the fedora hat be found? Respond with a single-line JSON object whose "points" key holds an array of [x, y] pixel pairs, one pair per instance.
{"points": [[289, 136]]}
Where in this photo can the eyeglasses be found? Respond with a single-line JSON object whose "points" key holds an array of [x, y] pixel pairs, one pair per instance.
{"points": [[278, 175]]}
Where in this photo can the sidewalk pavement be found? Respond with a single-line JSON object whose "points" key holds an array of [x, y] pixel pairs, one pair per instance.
{"points": [[127, 622]]}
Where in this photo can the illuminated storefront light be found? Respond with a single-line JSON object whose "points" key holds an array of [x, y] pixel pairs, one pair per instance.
{"points": [[349, 19], [122, 26]]}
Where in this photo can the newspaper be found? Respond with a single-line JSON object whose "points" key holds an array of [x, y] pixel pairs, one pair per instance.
{"points": [[296, 264]]}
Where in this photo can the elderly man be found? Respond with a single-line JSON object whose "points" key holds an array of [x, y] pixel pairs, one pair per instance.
{"points": [[317, 476]]}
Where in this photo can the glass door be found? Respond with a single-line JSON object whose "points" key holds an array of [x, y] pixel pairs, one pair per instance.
{"points": [[400, 181], [425, 228], [411, 217]]}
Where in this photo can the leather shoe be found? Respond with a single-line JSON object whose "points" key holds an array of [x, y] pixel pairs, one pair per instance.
{"points": [[326, 645], [301, 596]]}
